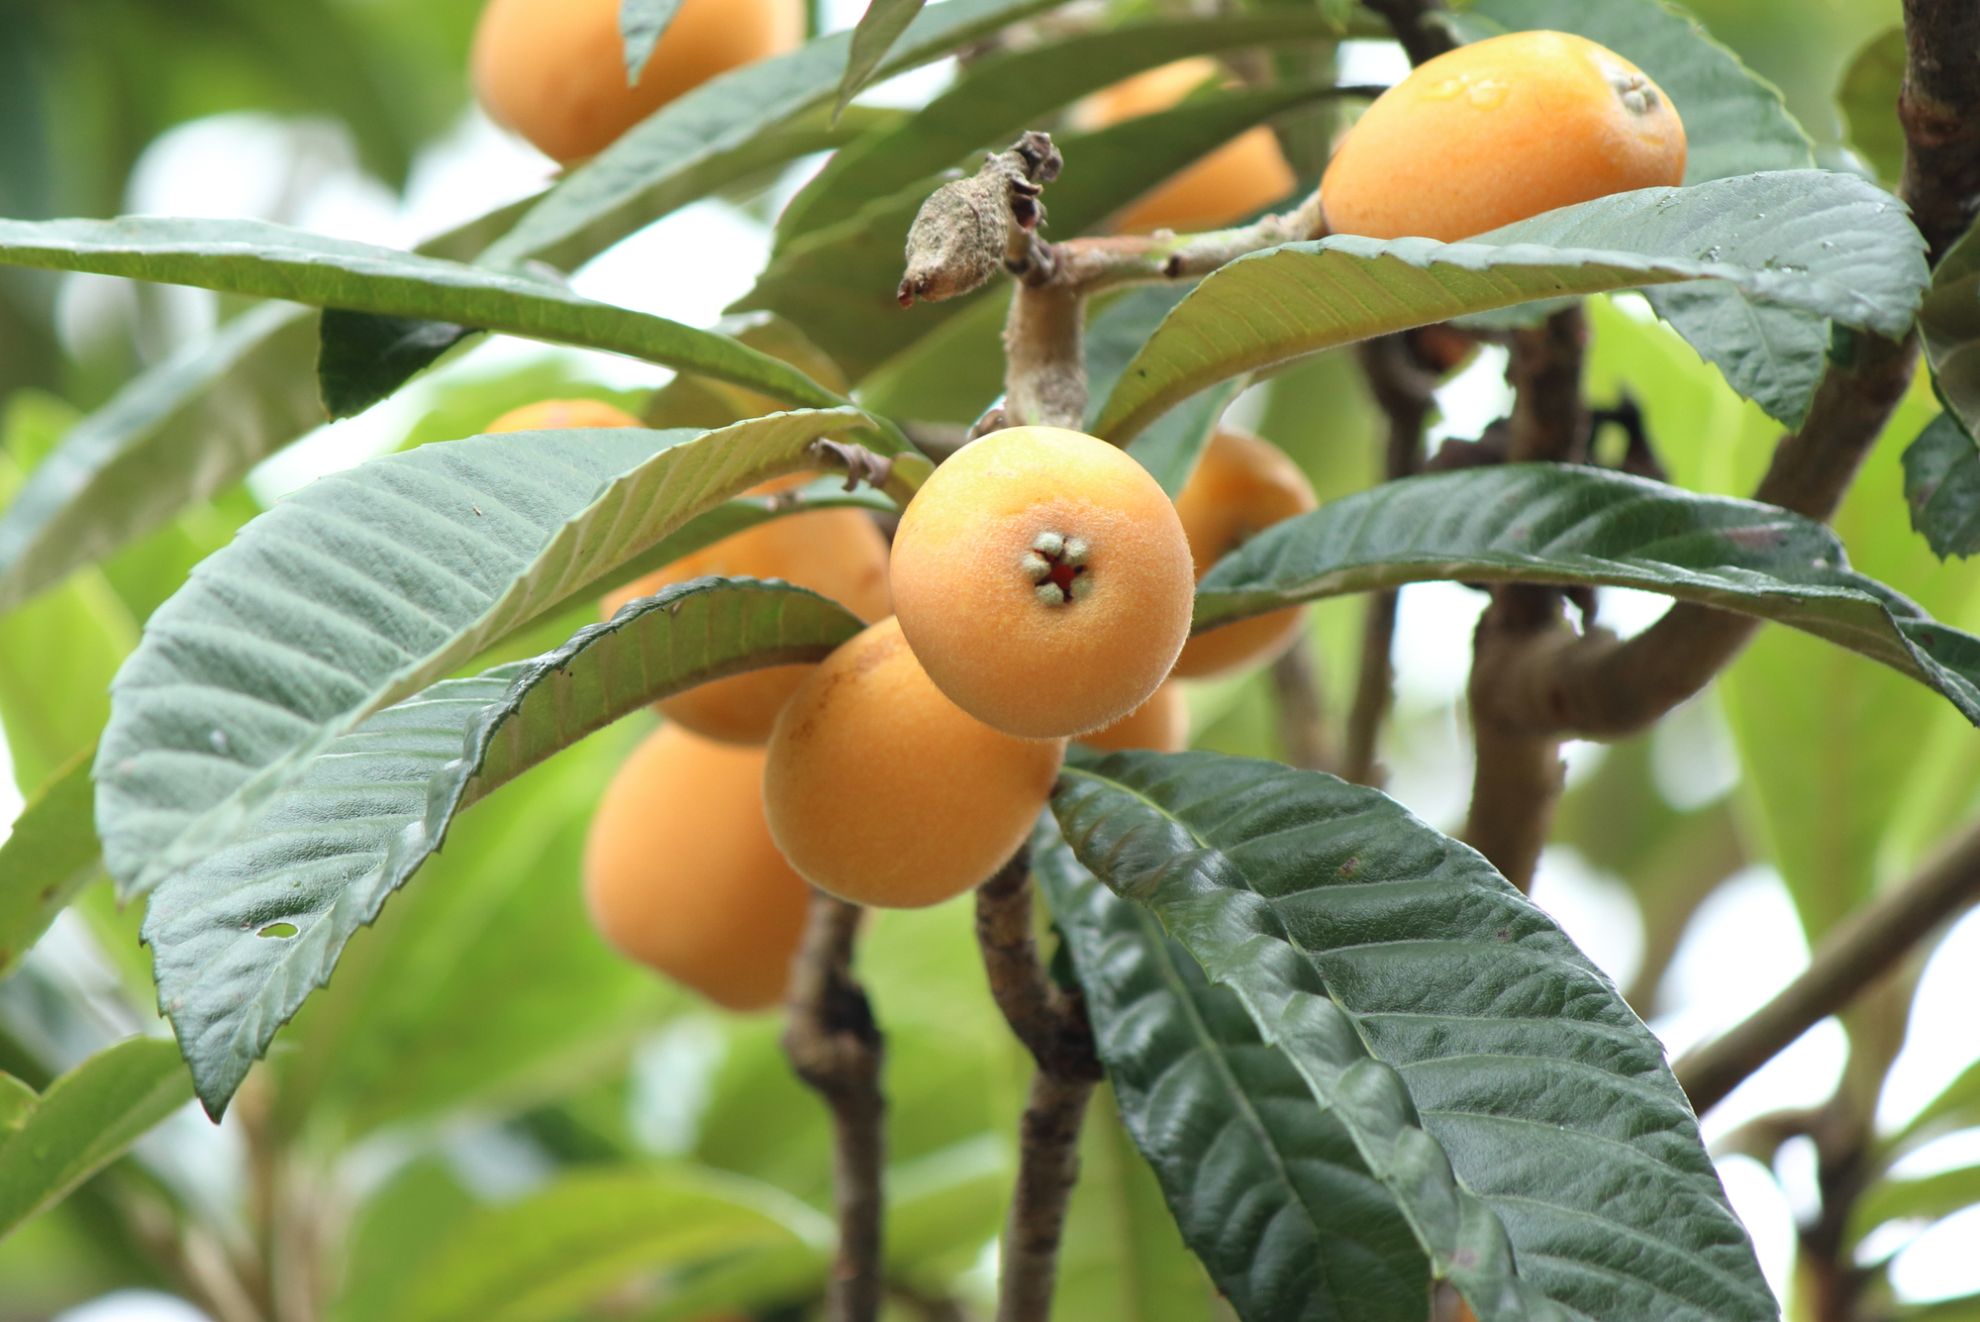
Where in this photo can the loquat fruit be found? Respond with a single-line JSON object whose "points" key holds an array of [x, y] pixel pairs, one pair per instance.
{"points": [[1043, 579], [551, 414], [883, 792], [1241, 487], [1245, 175], [837, 553], [680, 872], [1160, 725], [555, 72], [1497, 131]]}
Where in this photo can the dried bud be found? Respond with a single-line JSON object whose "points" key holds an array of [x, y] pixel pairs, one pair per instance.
{"points": [[958, 238], [967, 228]]}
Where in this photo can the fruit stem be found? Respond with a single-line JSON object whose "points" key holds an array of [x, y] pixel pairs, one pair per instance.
{"points": [[835, 1046], [1052, 1024]]}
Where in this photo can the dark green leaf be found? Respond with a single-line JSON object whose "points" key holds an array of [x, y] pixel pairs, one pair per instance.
{"points": [[1555, 524], [363, 357], [1266, 1182], [367, 586], [1942, 486], [641, 25], [1868, 98], [1347, 928], [879, 28], [273, 261], [1950, 324], [546, 1256], [244, 933], [702, 139], [1831, 244], [49, 855], [82, 1122], [838, 283], [1006, 92], [1772, 355]]}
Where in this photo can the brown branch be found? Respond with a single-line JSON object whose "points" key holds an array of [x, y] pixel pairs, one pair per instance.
{"points": [[1407, 19], [1053, 1026], [1939, 107], [1402, 387], [1855, 956], [835, 1046], [1302, 715], [1517, 778]]}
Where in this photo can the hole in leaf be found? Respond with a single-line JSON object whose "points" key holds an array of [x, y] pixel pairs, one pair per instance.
{"points": [[283, 930]]}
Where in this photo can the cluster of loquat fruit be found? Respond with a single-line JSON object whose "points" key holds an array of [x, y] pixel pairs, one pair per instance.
{"points": [[1040, 583]]}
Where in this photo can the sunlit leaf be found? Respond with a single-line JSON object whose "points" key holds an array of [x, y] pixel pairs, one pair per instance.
{"points": [[1830, 244], [47, 857], [549, 1254], [274, 261], [82, 1122], [365, 587], [641, 25], [243, 933]]}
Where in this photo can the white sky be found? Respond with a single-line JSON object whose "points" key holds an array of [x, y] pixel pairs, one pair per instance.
{"points": [[1745, 946]]}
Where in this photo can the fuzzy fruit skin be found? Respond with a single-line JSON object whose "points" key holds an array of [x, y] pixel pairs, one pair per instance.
{"points": [[1160, 725], [555, 72], [883, 792], [1241, 487], [681, 875], [977, 618], [1245, 175], [836, 553], [551, 414], [1497, 131]]}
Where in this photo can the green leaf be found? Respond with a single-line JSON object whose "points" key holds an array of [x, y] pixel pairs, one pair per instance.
{"points": [[1169, 448], [1868, 99], [879, 28], [425, 1017], [49, 855], [1345, 926], [1006, 92], [837, 283], [1956, 1107], [547, 1255], [1572, 526], [641, 25], [1831, 244], [712, 134], [1921, 1198], [365, 587], [1949, 322], [393, 1234], [175, 434], [363, 357], [83, 1122], [1942, 486], [242, 934], [1267, 1182], [274, 261], [178, 433]]}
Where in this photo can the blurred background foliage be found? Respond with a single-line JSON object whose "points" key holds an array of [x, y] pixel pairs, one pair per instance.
{"points": [[479, 1046]]}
